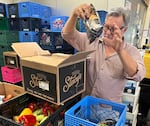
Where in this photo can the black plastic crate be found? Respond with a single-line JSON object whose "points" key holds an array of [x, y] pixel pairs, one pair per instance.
{"points": [[13, 10], [54, 42], [144, 102], [13, 24], [45, 25], [46, 41], [30, 24], [61, 44], [145, 89], [16, 105], [2, 10]]}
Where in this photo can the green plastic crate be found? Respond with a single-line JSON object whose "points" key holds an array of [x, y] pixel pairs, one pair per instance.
{"points": [[4, 23], [1, 61], [4, 49], [8, 37]]}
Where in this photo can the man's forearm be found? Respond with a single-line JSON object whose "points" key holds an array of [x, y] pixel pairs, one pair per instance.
{"points": [[130, 65]]}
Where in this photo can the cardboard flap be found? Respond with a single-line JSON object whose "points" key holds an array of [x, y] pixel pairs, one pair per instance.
{"points": [[28, 49], [77, 56]]}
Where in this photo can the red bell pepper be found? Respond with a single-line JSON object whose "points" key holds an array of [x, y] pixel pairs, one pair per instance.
{"points": [[27, 120], [47, 111], [33, 106]]}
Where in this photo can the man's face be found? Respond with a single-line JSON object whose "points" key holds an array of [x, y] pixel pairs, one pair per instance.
{"points": [[108, 27]]}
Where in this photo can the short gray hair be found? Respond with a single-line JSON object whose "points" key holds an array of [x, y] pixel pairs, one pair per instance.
{"points": [[120, 11]]}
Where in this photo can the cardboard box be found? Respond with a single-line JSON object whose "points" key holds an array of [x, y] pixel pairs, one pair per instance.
{"points": [[53, 77], [8, 88], [11, 59]]}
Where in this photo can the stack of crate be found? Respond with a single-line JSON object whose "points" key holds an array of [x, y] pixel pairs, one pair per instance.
{"points": [[27, 17], [6, 36], [37, 25], [31, 22], [52, 40], [130, 98]]}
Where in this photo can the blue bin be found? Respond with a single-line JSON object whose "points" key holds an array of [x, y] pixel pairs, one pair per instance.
{"points": [[45, 11], [29, 9], [80, 25], [57, 23], [28, 36], [102, 14], [86, 112]]}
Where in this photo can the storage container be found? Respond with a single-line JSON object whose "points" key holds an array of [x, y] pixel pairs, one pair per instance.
{"points": [[10, 89], [102, 15], [8, 37], [55, 77], [29, 36], [57, 23], [131, 118], [14, 24], [11, 59], [131, 100], [131, 87], [80, 25], [12, 75], [29, 9], [91, 111], [30, 24], [4, 49], [16, 105], [45, 11], [13, 10], [4, 23], [3, 10]]}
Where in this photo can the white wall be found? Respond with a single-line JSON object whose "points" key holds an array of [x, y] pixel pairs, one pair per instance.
{"points": [[65, 7], [5, 1]]}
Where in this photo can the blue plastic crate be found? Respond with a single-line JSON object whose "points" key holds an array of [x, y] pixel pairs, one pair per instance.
{"points": [[45, 11], [102, 14], [28, 36], [45, 24], [57, 23], [90, 111], [80, 25], [29, 9]]}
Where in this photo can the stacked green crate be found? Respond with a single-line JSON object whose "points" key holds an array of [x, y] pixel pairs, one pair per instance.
{"points": [[8, 37], [4, 23]]}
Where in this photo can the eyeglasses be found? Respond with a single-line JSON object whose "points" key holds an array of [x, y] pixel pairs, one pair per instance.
{"points": [[111, 29]]}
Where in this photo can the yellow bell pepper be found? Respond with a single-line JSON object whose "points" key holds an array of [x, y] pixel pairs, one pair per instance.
{"points": [[26, 111]]}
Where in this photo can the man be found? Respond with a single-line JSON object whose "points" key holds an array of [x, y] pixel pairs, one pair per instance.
{"points": [[114, 60]]}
